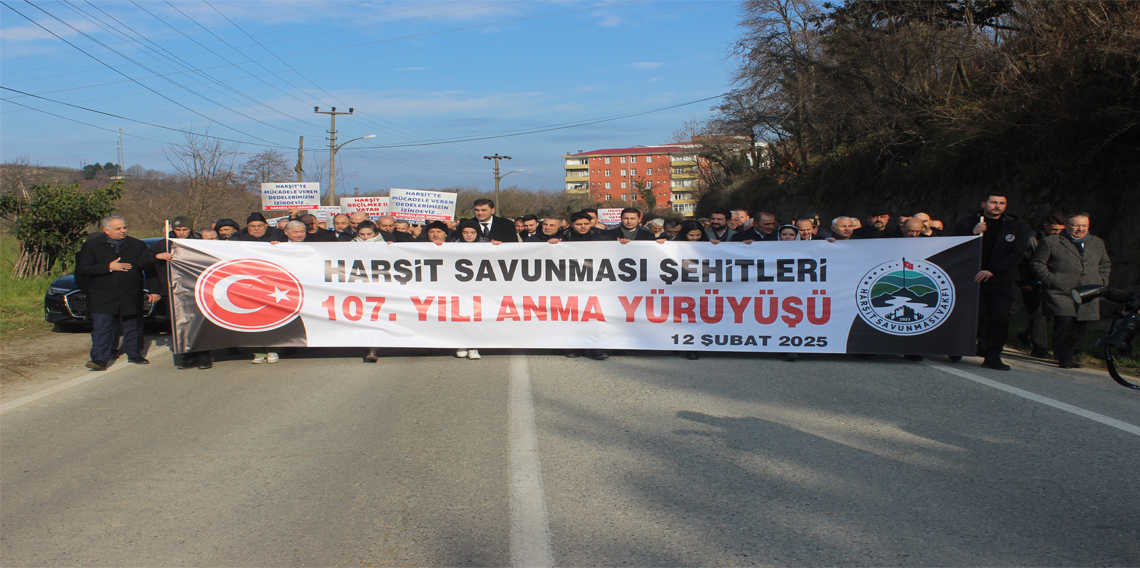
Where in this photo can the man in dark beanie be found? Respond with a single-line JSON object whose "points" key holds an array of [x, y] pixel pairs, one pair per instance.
{"points": [[226, 228], [182, 227], [257, 229], [878, 219]]}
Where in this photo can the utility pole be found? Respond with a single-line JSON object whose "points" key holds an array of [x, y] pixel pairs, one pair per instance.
{"points": [[121, 158], [332, 150], [300, 167], [496, 158]]}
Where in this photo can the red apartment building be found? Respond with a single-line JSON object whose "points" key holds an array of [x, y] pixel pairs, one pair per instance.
{"points": [[614, 176]]}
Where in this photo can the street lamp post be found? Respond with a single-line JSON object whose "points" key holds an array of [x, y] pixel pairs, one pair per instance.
{"points": [[332, 166], [334, 148], [498, 177]]}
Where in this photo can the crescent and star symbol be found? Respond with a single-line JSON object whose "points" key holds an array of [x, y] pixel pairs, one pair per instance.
{"points": [[222, 293]]}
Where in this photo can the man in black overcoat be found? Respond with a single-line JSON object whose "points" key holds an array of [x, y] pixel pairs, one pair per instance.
{"points": [[110, 267]]}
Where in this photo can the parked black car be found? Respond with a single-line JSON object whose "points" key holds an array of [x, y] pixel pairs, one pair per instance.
{"points": [[66, 305]]}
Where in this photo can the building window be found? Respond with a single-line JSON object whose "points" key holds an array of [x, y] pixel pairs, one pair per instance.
{"points": [[607, 185], [607, 160], [633, 159], [623, 197], [607, 197], [607, 172], [623, 159], [623, 173], [649, 159], [623, 185], [648, 184]]}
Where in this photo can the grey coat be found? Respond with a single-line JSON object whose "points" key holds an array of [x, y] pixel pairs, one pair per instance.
{"points": [[1060, 267]]}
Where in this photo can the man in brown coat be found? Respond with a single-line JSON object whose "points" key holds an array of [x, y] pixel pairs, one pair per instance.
{"points": [[1062, 262]]}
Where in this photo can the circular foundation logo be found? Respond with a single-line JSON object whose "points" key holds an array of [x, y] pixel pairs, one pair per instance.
{"points": [[249, 295], [902, 297]]}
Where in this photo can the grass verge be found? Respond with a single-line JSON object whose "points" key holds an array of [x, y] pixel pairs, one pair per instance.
{"points": [[21, 299]]}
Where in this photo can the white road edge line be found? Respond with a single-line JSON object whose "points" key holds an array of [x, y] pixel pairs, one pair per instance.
{"points": [[88, 376], [530, 531], [1118, 424]]}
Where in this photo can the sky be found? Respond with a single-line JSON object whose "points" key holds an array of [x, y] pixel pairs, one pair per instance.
{"points": [[439, 83]]}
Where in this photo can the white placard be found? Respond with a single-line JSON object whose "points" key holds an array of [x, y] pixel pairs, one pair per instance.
{"points": [[375, 207], [418, 204], [283, 196], [609, 216], [326, 212]]}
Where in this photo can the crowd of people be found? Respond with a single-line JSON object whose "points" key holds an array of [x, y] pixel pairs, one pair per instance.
{"points": [[1041, 263]]}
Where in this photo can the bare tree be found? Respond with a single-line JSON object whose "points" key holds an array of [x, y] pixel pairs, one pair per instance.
{"points": [[267, 167]]}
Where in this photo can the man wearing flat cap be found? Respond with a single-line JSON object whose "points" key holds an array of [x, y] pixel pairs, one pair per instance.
{"points": [[876, 228]]}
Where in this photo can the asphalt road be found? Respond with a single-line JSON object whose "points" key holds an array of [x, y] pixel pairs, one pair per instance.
{"points": [[535, 459]]}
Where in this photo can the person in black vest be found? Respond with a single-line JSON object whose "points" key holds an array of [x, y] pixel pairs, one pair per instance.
{"points": [[1003, 245], [110, 268], [878, 219], [495, 228], [630, 228]]}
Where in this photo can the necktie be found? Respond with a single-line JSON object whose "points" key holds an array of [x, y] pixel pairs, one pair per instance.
{"points": [[486, 228]]}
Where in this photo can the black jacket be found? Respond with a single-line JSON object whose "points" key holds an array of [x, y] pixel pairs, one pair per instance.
{"points": [[502, 229], [1008, 246], [641, 234], [119, 293], [751, 234], [271, 234], [321, 236]]}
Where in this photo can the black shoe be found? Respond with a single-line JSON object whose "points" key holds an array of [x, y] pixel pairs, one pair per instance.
{"points": [[572, 354], [1024, 338], [206, 362], [138, 360], [790, 356], [1069, 364], [692, 356], [1039, 354], [599, 355], [996, 365], [954, 358], [189, 363], [114, 354], [97, 365], [913, 357], [372, 356]]}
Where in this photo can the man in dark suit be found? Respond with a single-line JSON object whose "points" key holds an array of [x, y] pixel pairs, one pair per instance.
{"points": [[110, 268], [498, 229], [630, 228]]}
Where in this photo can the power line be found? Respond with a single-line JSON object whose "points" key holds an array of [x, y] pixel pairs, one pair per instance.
{"points": [[184, 63], [543, 129], [120, 72], [121, 118]]}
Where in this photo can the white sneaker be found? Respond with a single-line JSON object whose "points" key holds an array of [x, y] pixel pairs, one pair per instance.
{"points": [[461, 353], [258, 360], [272, 358], [473, 354]]}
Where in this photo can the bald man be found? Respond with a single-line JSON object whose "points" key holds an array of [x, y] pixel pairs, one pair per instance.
{"points": [[913, 227]]}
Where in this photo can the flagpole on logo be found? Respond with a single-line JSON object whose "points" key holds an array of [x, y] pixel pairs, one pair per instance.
{"points": [[904, 273]]}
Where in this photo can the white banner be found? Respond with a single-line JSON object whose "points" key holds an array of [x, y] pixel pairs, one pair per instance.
{"points": [[874, 296], [426, 205], [375, 207], [283, 196]]}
